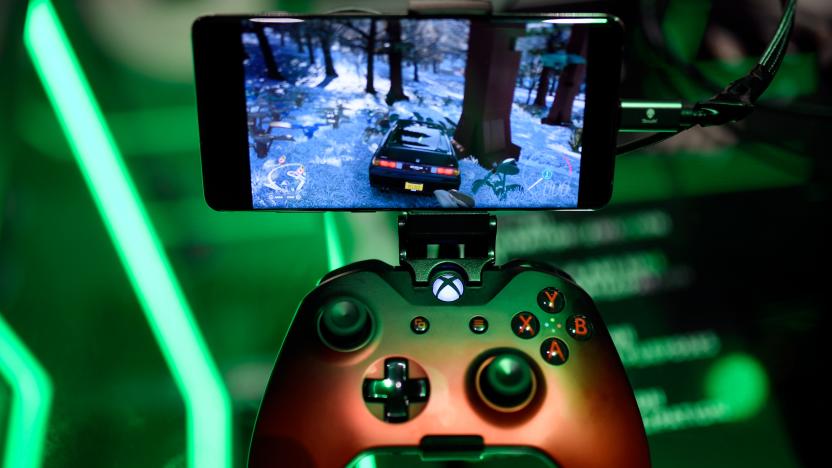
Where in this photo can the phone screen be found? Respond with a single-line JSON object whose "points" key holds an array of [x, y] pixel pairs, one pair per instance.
{"points": [[410, 113]]}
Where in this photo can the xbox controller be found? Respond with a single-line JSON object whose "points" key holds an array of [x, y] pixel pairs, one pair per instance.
{"points": [[521, 359]]}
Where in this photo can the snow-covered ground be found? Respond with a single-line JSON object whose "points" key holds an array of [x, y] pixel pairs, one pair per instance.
{"points": [[323, 135]]}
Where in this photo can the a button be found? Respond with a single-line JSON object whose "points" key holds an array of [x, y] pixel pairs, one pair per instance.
{"points": [[419, 325], [478, 325], [345, 324], [396, 391], [525, 325], [579, 327], [554, 351], [551, 300], [506, 382], [447, 286]]}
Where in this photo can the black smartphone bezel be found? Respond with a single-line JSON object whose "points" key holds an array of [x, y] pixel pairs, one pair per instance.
{"points": [[223, 133]]}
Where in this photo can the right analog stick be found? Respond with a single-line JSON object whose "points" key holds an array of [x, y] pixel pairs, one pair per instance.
{"points": [[345, 324], [506, 382]]}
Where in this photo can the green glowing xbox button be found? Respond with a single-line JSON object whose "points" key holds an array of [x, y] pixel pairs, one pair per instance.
{"points": [[345, 324]]}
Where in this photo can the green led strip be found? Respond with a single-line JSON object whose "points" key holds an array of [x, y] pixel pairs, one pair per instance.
{"points": [[630, 104], [207, 404], [576, 20], [30, 402]]}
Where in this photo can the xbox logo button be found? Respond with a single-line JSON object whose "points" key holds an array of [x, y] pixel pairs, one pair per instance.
{"points": [[447, 286]]}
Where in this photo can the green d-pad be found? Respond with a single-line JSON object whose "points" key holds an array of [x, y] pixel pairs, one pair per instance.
{"points": [[396, 390]]}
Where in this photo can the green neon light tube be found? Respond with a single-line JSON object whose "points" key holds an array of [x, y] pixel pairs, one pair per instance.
{"points": [[207, 404], [334, 250], [31, 399]]}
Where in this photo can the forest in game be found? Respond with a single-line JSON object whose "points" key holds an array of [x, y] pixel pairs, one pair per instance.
{"points": [[322, 94]]}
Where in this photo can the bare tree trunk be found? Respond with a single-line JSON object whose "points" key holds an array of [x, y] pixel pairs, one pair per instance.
{"points": [[394, 36], [484, 128], [268, 56], [542, 87], [545, 75], [326, 45], [296, 36], [415, 71], [310, 45], [569, 82], [371, 57]]}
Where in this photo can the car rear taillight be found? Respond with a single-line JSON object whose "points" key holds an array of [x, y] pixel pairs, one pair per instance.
{"points": [[447, 171], [386, 163]]}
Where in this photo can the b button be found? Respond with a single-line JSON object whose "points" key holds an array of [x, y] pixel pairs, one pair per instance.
{"points": [[525, 325], [551, 300], [554, 351], [579, 327]]}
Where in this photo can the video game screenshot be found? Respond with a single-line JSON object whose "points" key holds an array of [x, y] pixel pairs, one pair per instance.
{"points": [[393, 113]]}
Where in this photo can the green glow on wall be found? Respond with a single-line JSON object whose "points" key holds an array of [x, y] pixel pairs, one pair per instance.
{"points": [[637, 353], [619, 276], [31, 398], [684, 25], [297, 6], [207, 404], [739, 381]]}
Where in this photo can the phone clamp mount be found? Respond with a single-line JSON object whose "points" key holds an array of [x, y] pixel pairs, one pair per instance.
{"points": [[448, 356], [432, 241]]}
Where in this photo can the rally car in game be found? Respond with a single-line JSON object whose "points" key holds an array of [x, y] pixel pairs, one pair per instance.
{"points": [[415, 156]]}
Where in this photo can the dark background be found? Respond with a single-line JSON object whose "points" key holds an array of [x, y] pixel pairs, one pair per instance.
{"points": [[708, 264]]}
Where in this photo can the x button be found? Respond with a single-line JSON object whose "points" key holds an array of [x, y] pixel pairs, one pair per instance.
{"points": [[525, 325]]}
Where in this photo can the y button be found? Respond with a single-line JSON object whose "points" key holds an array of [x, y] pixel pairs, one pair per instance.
{"points": [[551, 300]]}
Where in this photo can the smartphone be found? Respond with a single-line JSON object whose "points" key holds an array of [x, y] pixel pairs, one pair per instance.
{"points": [[375, 112]]}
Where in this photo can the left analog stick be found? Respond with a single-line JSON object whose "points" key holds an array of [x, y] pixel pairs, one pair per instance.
{"points": [[345, 324]]}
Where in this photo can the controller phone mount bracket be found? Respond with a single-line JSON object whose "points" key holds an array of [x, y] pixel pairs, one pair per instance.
{"points": [[432, 241]]}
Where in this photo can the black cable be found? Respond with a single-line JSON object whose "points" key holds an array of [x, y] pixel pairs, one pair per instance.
{"points": [[735, 101], [771, 59], [773, 56]]}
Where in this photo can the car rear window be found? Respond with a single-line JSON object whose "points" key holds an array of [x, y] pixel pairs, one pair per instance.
{"points": [[419, 137], [402, 154]]}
